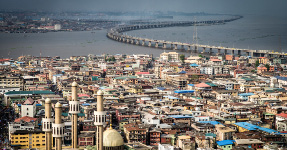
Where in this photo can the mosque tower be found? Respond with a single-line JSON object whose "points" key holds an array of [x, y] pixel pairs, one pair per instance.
{"points": [[74, 110], [58, 126], [47, 124], [100, 120]]}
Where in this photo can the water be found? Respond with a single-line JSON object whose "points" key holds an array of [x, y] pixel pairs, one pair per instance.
{"points": [[251, 32], [254, 32], [66, 44]]}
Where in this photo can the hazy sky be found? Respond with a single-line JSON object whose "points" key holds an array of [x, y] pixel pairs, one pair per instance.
{"points": [[275, 7]]}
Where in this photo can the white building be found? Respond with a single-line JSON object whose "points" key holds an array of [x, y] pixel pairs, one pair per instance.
{"points": [[201, 118], [206, 70], [8, 89], [170, 56], [57, 27], [223, 96], [13, 126], [165, 147], [229, 85], [28, 108], [151, 119]]}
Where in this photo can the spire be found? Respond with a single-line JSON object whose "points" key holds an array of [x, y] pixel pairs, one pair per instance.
{"points": [[74, 110], [47, 124], [58, 126], [100, 119]]}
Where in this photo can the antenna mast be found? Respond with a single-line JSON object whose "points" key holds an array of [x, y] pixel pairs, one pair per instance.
{"points": [[195, 40]]}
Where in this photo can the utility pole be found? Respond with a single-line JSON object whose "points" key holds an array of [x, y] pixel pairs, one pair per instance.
{"points": [[195, 40]]}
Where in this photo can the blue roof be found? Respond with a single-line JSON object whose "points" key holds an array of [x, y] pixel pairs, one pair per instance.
{"points": [[225, 142], [190, 84], [86, 104], [58, 75], [250, 126], [193, 65], [211, 122], [180, 116], [281, 78], [161, 88], [182, 72], [103, 87], [246, 94], [38, 104], [19, 105], [184, 91]]}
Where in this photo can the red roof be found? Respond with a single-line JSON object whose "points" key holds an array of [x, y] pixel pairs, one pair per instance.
{"points": [[202, 85], [261, 68], [29, 101], [83, 95], [4, 60], [282, 115], [26, 119]]}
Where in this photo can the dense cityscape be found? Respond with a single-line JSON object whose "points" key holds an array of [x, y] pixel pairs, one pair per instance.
{"points": [[153, 75], [169, 102]]}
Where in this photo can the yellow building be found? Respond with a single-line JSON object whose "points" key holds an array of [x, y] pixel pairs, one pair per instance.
{"points": [[263, 60], [135, 90], [28, 139]]}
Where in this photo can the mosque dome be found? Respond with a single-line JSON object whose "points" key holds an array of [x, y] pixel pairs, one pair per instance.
{"points": [[112, 138], [100, 92], [48, 101], [58, 104], [74, 84]]}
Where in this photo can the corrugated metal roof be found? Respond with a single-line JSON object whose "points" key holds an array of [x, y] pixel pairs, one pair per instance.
{"points": [[246, 94], [249, 126], [180, 116], [28, 92], [225, 142], [184, 91], [211, 122]]}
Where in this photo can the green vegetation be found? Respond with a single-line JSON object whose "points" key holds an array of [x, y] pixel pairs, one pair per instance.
{"points": [[256, 63], [182, 58], [110, 59], [267, 66]]}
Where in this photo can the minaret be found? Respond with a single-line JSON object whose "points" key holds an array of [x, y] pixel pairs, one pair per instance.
{"points": [[100, 120], [58, 126], [47, 124], [74, 110]]}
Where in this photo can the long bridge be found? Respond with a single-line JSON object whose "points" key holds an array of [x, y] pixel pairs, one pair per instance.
{"points": [[117, 35]]}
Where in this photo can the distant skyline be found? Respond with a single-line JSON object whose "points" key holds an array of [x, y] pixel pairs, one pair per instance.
{"points": [[258, 7]]}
